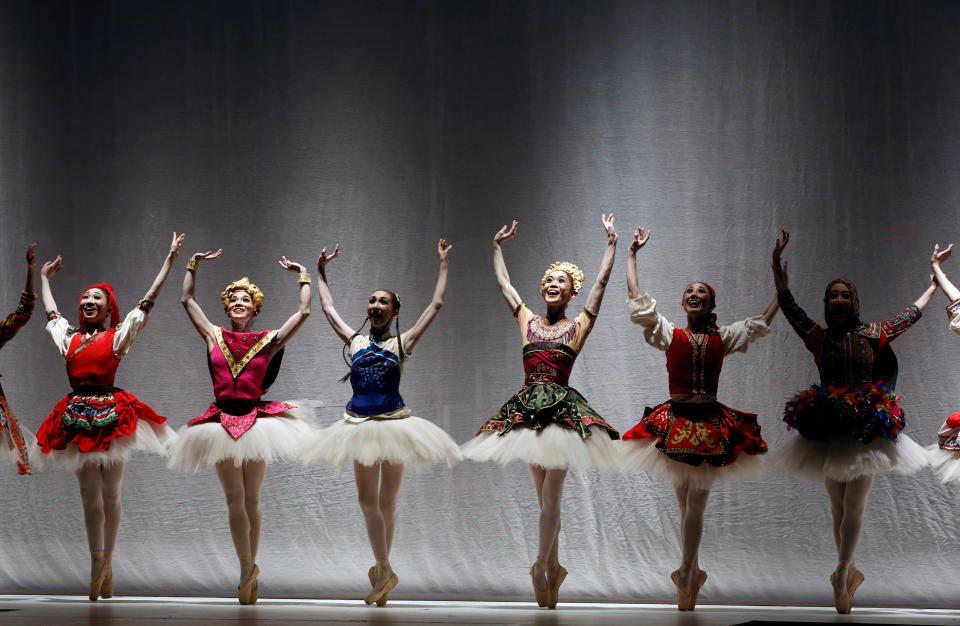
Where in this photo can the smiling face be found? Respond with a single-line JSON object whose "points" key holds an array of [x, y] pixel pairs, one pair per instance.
{"points": [[93, 307], [557, 288], [697, 300], [240, 306], [840, 303], [381, 309]]}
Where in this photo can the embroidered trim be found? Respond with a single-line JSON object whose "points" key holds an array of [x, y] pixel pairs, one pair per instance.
{"points": [[536, 329], [698, 354], [237, 366], [590, 313], [86, 343], [954, 307], [516, 311]]}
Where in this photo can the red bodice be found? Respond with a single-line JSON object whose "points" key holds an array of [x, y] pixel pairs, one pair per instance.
{"points": [[92, 362], [694, 362], [547, 364]]}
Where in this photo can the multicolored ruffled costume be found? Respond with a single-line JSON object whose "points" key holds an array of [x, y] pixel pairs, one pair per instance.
{"points": [[97, 422], [13, 444], [377, 425], [850, 424], [239, 425], [691, 439], [547, 423], [945, 455]]}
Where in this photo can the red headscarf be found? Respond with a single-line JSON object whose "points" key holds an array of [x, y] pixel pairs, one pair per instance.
{"points": [[112, 309]]}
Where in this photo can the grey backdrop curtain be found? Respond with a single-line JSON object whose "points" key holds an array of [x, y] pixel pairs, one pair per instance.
{"points": [[277, 128]]}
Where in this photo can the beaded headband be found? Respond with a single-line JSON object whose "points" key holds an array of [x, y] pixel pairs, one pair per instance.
{"points": [[576, 274], [243, 284]]}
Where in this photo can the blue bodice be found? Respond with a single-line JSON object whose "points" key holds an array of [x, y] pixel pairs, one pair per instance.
{"points": [[375, 378]]}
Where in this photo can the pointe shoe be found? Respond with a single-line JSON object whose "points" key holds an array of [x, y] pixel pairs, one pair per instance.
{"points": [[542, 595], [96, 585], [371, 575], [854, 579], [106, 589], [688, 601], [555, 586], [247, 592], [841, 602], [378, 595]]}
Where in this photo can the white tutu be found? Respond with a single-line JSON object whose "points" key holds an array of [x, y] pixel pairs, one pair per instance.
{"points": [[637, 455], [279, 437], [148, 437], [845, 458], [409, 440], [945, 463], [554, 447]]}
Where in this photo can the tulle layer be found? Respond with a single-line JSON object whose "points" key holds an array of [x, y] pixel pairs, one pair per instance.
{"points": [[278, 438], [946, 463], [147, 436], [553, 447], [845, 458], [412, 441], [636, 455]]}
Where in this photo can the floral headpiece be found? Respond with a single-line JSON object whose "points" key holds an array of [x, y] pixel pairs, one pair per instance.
{"points": [[576, 274], [243, 284]]}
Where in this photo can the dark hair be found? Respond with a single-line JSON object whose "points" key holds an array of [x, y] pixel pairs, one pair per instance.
{"points": [[395, 300], [712, 323]]}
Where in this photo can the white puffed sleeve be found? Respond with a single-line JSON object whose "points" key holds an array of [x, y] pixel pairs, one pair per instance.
{"points": [[657, 330], [128, 330], [737, 336], [954, 312], [58, 329]]}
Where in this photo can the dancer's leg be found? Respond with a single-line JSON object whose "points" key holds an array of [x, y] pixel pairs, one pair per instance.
{"points": [[391, 477], [549, 484], [231, 479], [854, 504], [253, 474], [368, 492], [93, 515], [111, 489], [835, 490], [691, 532]]}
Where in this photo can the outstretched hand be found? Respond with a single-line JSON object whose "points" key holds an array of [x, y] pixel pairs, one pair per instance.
{"points": [[608, 226], [291, 266], [444, 248], [207, 256], [782, 241], [32, 255], [175, 245], [324, 259], [51, 267], [940, 255], [640, 238], [503, 234]]}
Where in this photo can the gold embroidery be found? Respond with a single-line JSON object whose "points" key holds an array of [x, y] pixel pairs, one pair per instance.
{"points": [[237, 366], [698, 343]]}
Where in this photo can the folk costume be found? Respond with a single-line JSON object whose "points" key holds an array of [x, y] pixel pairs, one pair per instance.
{"points": [[945, 455], [850, 424], [547, 423], [239, 425], [691, 439], [98, 422], [13, 444], [377, 425]]}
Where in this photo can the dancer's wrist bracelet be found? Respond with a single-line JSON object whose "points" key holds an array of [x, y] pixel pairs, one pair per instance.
{"points": [[193, 264], [304, 278]]}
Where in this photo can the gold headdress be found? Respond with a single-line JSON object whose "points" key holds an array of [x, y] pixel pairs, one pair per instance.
{"points": [[576, 274], [243, 284]]}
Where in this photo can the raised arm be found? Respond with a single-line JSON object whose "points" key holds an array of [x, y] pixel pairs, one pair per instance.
{"points": [[640, 239], [771, 311], [609, 254], [31, 266], [46, 272], [412, 336], [927, 295], [326, 298], [151, 296], [949, 290], [292, 325], [194, 312], [780, 279], [509, 294]]}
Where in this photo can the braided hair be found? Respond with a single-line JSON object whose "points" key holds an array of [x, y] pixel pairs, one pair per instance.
{"points": [[395, 301]]}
